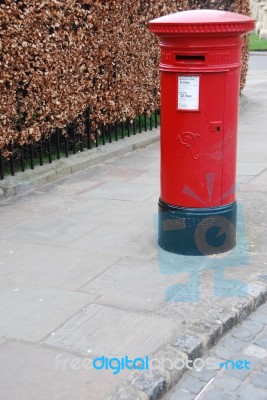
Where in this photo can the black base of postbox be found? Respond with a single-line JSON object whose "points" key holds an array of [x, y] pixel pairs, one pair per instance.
{"points": [[197, 231]]}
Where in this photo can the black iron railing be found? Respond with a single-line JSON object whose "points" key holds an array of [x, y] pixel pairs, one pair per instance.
{"points": [[74, 138]]}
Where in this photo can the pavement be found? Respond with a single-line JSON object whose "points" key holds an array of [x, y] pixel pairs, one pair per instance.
{"points": [[258, 60], [81, 276]]}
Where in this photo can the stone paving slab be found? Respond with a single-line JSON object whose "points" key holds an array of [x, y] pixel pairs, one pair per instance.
{"points": [[130, 333], [104, 211], [48, 229], [121, 174], [121, 286], [245, 168], [51, 266], [150, 177], [260, 179], [124, 240], [153, 199], [30, 372], [126, 191], [30, 313]]}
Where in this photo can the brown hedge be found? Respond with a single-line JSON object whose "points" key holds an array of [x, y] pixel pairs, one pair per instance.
{"points": [[59, 57]]}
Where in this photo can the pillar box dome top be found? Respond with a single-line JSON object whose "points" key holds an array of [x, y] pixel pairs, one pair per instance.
{"points": [[202, 22]]}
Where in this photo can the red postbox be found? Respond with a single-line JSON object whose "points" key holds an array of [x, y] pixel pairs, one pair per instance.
{"points": [[200, 85]]}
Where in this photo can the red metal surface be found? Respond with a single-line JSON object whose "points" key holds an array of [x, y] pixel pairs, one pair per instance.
{"points": [[202, 21], [200, 76]]}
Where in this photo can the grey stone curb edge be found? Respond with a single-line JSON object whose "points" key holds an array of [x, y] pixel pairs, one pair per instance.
{"points": [[23, 181], [201, 334]]}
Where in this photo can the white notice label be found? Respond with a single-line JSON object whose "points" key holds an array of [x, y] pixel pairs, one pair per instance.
{"points": [[188, 92]]}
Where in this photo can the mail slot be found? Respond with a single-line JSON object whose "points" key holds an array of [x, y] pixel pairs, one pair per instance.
{"points": [[194, 59], [200, 85]]}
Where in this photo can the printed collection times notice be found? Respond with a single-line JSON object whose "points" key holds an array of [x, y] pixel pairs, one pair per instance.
{"points": [[188, 92]]}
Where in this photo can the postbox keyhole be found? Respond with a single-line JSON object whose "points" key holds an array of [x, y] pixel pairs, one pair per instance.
{"points": [[216, 126]]}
